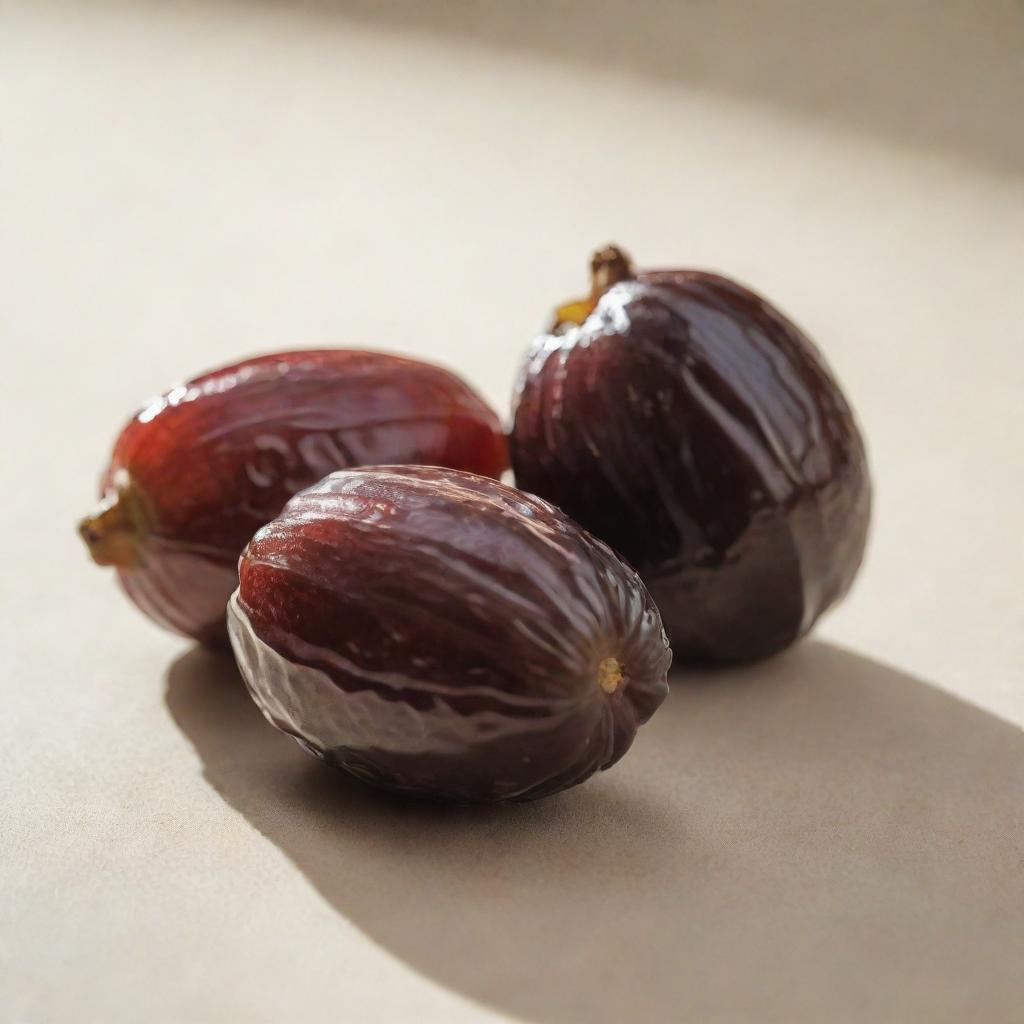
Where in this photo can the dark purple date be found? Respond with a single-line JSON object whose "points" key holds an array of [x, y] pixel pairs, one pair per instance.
{"points": [[442, 634], [684, 420]]}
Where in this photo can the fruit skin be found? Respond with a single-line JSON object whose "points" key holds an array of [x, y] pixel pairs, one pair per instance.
{"points": [[687, 422], [196, 472], [445, 635]]}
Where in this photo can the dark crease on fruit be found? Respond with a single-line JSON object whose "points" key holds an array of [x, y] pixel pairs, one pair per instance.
{"points": [[197, 471], [687, 422], [444, 635]]}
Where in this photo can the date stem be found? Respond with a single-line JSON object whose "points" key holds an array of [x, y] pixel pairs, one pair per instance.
{"points": [[608, 266], [112, 533]]}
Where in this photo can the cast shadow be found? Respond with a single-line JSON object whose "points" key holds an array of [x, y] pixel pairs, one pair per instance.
{"points": [[819, 838]]}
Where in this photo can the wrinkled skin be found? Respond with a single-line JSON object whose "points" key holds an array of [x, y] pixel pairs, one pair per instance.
{"points": [[444, 635], [199, 470], [693, 427]]}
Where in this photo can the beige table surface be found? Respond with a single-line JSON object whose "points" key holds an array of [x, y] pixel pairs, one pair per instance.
{"points": [[834, 836]]}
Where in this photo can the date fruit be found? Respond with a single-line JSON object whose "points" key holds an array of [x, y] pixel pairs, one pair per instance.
{"points": [[444, 635], [684, 420], [196, 472]]}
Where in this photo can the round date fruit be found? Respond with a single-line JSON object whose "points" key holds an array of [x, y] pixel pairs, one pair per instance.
{"points": [[197, 471], [688, 423], [445, 635]]}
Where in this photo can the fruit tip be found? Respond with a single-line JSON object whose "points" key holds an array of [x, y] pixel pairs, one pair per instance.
{"points": [[110, 535]]}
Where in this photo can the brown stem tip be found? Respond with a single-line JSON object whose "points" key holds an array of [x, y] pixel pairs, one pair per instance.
{"points": [[113, 532], [608, 266]]}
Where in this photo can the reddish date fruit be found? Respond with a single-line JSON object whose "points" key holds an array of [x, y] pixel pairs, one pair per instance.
{"points": [[445, 635], [684, 420], [199, 470]]}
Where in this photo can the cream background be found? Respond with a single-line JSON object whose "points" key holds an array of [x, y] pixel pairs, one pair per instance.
{"points": [[834, 836]]}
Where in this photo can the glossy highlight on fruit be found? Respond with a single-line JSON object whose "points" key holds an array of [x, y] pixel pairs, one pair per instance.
{"points": [[197, 471], [445, 635], [684, 420]]}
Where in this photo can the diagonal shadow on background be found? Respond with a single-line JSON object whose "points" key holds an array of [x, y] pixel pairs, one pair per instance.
{"points": [[819, 838], [943, 77]]}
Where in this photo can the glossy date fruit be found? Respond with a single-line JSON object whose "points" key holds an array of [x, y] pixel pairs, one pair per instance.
{"points": [[444, 635], [684, 420], [196, 472]]}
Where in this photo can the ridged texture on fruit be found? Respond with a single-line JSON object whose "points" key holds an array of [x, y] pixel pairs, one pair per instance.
{"points": [[443, 634], [699, 432], [216, 458]]}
